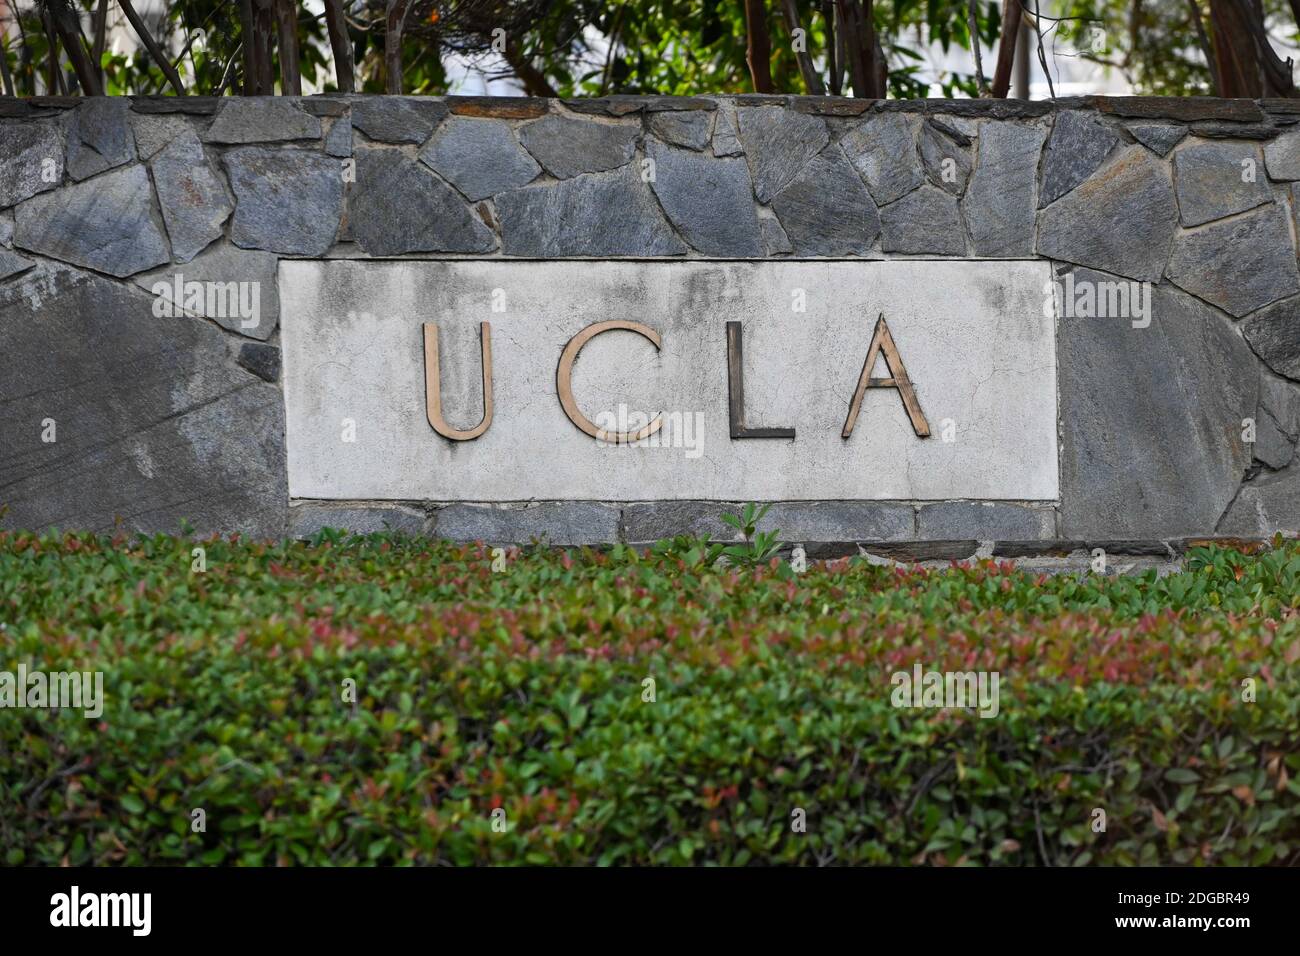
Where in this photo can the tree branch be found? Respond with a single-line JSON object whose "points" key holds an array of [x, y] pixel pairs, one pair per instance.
{"points": [[336, 25], [152, 46], [1006, 48], [758, 51], [286, 22], [395, 23], [811, 80]]}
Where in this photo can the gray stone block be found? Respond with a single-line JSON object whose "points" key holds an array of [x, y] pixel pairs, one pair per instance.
{"points": [[480, 157], [775, 241], [840, 521], [551, 522], [155, 424], [1151, 419], [710, 201], [1000, 197], [926, 220], [567, 147], [778, 144], [726, 140], [882, 148], [1213, 262], [1078, 145], [946, 155], [397, 205], [1274, 333], [338, 142], [397, 119], [826, 210], [262, 360], [261, 119], [984, 521], [288, 201], [107, 225], [1213, 183], [648, 521], [222, 269], [7, 228], [191, 195], [1121, 219], [1160, 138], [1269, 504], [307, 518], [1282, 156], [99, 136], [690, 130], [11, 264], [1277, 421], [595, 214], [152, 133], [31, 159]]}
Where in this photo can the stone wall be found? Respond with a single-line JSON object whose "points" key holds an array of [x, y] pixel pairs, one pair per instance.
{"points": [[114, 415]]}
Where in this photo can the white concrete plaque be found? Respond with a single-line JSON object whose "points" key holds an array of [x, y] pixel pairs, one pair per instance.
{"points": [[971, 337]]}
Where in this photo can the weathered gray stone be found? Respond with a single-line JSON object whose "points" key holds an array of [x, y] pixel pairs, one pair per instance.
{"points": [[946, 155], [338, 142], [1216, 129], [221, 269], [1121, 219], [1239, 265], [567, 147], [775, 241], [398, 206], [31, 159], [610, 214], [191, 196], [800, 521], [152, 133], [926, 220], [6, 228], [1078, 145], [1186, 108], [99, 136], [1217, 179], [480, 157], [984, 521], [710, 201], [288, 201], [778, 144], [826, 210], [690, 130], [262, 360], [1282, 156], [155, 424], [882, 148], [397, 119], [307, 518], [999, 201], [11, 264], [261, 119], [1265, 506], [726, 141], [648, 521], [1277, 422], [1274, 334], [107, 225], [551, 522], [1160, 138], [1151, 419]]}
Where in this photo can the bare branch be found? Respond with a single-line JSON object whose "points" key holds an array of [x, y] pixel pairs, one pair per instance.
{"points": [[152, 46], [758, 53], [811, 80], [1006, 48], [286, 21], [336, 24], [981, 84], [394, 25]]}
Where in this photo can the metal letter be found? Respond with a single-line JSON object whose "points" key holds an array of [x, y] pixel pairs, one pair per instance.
{"points": [[736, 391], [433, 385], [882, 340], [564, 382]]}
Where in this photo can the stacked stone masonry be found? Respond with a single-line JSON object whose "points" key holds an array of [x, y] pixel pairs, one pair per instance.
{"points": [[168, 420]]}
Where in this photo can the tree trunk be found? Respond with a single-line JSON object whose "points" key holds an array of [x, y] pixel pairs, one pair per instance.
{"points": [[393, 27], [286, 24], [759, 47], [1204, 42], [534, 80], [152, 46], [344, 69], [1006, 48], [69, 30]]}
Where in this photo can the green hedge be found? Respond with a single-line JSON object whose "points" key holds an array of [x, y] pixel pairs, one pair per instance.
{"points": [[522, 690]]}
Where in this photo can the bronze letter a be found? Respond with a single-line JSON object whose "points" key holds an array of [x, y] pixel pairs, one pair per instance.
{"points": [[883, 341]]}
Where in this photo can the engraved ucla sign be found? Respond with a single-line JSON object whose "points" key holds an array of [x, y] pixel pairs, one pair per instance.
{"points": [[803, 380]]}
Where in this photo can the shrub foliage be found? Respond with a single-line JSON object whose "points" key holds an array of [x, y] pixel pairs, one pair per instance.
{"points": [[528, 690]]}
